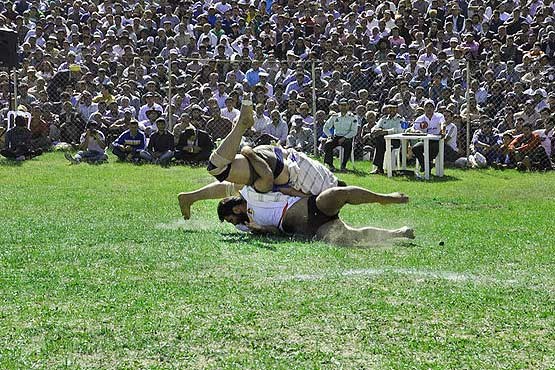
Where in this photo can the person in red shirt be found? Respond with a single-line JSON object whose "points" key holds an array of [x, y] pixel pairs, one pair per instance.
{"points": [[40, 130], [527, 151]]}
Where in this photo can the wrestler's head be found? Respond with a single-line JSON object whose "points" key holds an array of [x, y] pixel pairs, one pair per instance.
{"points": [[233, 210]]}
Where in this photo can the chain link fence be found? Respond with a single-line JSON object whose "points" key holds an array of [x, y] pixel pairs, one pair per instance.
{"points": [[509, 116], [488, 107]]}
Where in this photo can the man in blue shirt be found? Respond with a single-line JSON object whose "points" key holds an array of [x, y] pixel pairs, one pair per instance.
{"points": [[253, 75], [128, 145]]}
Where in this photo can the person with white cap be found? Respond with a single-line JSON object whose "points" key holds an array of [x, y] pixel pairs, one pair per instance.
{"points": [[429, 123]]}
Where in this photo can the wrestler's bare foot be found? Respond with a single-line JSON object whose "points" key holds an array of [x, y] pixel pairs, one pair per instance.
{"points": [[185, 203], [396, 198], [246, 116], [406, 232]]}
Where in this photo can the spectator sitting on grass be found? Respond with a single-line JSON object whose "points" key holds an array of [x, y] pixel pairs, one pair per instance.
{"points": [[527, 151], [546, 135], [194, 145], [148, 126], [505, 158], [91, 147], [71, 124], [160, 146], [17, 142], [39, 130], [128, 145], [486, 142]]}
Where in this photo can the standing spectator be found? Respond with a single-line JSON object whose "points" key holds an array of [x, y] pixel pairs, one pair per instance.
{"points": [[91, 147], [128, 146], [160, 147], [451, 136], [345, 127]]}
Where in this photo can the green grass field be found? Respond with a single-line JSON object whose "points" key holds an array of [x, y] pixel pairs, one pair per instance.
{"points": [[98, 270]]}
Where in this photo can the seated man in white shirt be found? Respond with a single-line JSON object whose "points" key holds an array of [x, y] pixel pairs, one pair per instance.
{"points": [[429, 123], [314, 217]]}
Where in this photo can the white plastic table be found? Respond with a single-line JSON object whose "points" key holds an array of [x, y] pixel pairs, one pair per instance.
{"points": [[404, 139]]}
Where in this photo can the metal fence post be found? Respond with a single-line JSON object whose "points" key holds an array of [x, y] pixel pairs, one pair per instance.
{"points": [[15, 88], [468, 115], [170, 117], [314, 130]]}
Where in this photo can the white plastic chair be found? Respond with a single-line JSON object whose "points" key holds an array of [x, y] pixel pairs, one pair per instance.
{"points": [[11, 118], [395, 162]]}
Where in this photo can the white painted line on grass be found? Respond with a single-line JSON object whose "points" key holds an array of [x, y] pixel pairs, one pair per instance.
{"points": [[457, 277]]}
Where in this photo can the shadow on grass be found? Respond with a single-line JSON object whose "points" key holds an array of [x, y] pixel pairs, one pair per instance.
{"points": [[10, 162], [411, 175], [407, 244], [258, 241], [356, 172], [407, 174]]}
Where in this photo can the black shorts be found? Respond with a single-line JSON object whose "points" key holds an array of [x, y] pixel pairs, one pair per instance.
{"points": [[222, 176], [315, 219]]}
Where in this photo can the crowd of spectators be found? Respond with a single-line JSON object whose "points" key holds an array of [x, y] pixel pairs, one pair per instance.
{"points": [[153, 80]]}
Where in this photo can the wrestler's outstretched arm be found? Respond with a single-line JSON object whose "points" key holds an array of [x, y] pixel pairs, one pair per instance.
{"points": [[215, 190]]}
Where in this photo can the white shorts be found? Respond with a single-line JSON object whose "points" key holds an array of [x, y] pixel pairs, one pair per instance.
{"points": [[308, 175]]}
